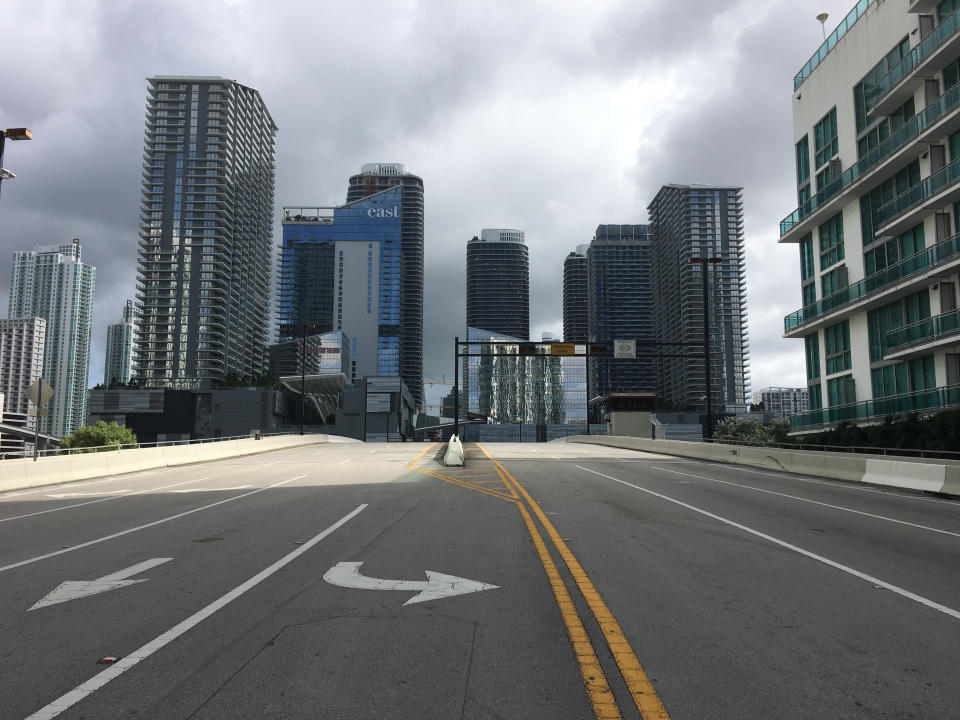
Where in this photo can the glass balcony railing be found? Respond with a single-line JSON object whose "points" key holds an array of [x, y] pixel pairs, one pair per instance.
{"points": [[899, 139], [943, 32], [933, 399], [921, 330], [931, 185], [894, 273], [859, 9]]}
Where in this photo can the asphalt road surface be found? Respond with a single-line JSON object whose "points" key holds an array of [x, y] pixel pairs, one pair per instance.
{"points": [[552, 580]]}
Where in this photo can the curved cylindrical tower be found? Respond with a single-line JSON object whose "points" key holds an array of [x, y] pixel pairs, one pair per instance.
{"points": [[498, 283]]}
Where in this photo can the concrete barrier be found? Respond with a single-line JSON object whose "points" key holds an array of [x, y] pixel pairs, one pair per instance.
{"points": [[908, 473], [453, 457], [20, 473]]}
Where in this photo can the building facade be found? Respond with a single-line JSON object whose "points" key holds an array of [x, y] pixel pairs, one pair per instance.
{"points": [[620, 305], [498, 283], [22, 342], [538, 388], [51, 282], [688, 222], [876, 113], [375, 178], [118, 359], [780, 402], [576, 317], [340, 271], [323, 354], [206, 228]]}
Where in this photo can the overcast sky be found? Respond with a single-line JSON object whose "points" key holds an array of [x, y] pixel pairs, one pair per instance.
{"points": [[550, 117]]}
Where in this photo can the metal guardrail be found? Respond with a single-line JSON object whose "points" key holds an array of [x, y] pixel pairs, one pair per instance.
{"points": [[162, 443]]}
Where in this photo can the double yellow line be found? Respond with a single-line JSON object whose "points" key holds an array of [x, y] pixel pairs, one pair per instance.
{"points": [[598, 690]]}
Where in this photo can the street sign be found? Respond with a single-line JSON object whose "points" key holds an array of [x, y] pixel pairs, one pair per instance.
{"points": [[598, 349], [42, 412], [39, 392], [527, 348], [436, 586], [625, 349], [561, 348]]}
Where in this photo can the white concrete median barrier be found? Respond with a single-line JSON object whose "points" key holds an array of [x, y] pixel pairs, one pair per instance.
{"points": [[453, 457]]}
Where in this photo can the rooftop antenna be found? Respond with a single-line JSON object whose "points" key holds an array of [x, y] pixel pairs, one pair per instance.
{"points": [[822, 17]]}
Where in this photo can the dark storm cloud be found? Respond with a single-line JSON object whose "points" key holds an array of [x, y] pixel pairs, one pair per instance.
{"points": [[525, 115]]}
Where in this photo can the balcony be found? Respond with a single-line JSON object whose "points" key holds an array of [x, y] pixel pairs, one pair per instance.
{"points": [[859, 9], [899, 343], [927, 259], [929, 56], [934, 399], [940, 189], [922, 126]]}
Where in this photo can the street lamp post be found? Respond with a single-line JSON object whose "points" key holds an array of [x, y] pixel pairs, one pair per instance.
{"points": [[11, 134], [303, 372], [708, 419]]}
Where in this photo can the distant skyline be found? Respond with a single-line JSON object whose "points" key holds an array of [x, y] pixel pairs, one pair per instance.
{"points": [[549, 116]]}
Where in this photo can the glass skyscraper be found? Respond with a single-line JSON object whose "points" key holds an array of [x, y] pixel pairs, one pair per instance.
{"points": [[699, 221], [374, 178], [340, 270], [498, 283], [576, 316], [51, 282], [620, 299], [206, 230], [118, 360], [535, 389]]}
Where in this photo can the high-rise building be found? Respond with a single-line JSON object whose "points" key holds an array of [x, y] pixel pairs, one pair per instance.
{"points": [[22, 342], [374, 178], [340, 271], [620, 302], [781, 402], [323, 354], [206, 228], [51, 282], [498, 283], [700, 221], [576, 318], [507, 387], [118, 359], [877, 222]]}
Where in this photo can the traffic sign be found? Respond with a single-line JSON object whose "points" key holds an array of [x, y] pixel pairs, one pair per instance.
{"points": [[561, 348], [39, 392], [625, 349]]}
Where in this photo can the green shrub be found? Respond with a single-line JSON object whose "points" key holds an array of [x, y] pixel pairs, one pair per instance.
{"points": [[102, 434]]}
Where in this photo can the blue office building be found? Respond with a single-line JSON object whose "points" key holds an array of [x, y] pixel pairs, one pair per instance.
{"points": [[340, 271]]}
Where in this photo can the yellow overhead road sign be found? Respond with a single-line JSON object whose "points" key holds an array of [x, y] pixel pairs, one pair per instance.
{"points": [[561, 349]]}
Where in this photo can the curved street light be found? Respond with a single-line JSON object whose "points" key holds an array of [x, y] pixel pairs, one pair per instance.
{"points": [[11, 134]]}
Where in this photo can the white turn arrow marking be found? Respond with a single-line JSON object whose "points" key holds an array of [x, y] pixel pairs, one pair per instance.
{"points": [[436, 586], [73, 589]]}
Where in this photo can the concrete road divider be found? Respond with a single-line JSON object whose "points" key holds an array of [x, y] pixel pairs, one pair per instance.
{"points": [[20, 473], [939, 476], [454, 454]]}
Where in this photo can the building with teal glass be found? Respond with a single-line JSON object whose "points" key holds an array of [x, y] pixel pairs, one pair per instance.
{"points": [[876, 115]]}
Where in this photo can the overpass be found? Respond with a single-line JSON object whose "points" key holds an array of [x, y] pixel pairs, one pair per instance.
{"points": [[552, 580]]}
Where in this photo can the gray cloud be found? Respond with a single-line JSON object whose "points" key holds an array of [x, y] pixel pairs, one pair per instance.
{"points": [[552, 118]]}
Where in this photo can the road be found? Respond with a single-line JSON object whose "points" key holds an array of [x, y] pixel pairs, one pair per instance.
{"points": [[315, 582]]}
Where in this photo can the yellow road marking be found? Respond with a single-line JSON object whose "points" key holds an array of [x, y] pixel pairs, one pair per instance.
{"points": [[604, 705], [420, 455], [641, 689], [598, 690]]}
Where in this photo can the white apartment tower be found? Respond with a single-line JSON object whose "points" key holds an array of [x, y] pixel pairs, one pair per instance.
{"points": [[781, 402], [52, 283], [876, 115], [118, 360], [21, 362]]}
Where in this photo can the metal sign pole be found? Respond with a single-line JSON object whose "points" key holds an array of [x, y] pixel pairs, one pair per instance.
{"points": [[456, 386]]}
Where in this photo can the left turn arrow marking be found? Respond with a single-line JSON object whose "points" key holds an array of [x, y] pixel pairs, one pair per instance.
{"points": [[73, 589]]}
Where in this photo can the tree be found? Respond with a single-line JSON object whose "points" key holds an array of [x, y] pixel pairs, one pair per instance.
{"points": [[740, 430], [103, 435]]}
